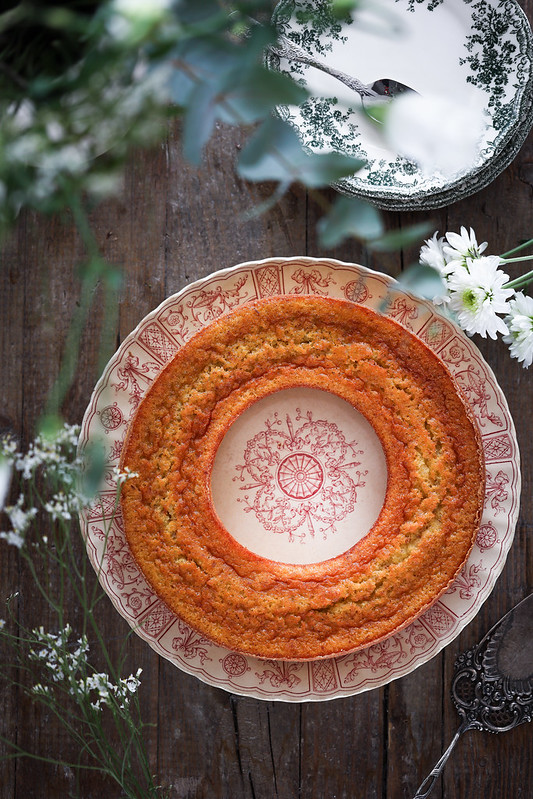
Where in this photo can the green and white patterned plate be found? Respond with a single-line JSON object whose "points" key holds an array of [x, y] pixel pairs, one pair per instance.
{"points": [[477, 51]]}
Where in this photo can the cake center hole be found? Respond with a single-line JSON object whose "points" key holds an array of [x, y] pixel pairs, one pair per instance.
{"points": [[299, 477]]}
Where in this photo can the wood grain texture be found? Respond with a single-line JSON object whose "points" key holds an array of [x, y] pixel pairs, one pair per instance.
{"points": [[170, 225]]}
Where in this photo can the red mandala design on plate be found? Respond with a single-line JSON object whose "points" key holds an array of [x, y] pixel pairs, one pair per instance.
{"points": [[234, 664], [357, 291], [111, 417], [498, 448], [302, 476], [487, 536]]}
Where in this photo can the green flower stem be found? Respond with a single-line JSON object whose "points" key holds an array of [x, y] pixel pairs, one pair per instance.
{"points": [[520, 247], [518, 260], [17, 751], [521, 281]]}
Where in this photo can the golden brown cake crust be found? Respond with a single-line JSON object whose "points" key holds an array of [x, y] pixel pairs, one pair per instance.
{"points": [[416, 547]]}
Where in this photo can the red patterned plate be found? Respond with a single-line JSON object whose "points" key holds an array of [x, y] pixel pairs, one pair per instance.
{"points": [[301, 517]]}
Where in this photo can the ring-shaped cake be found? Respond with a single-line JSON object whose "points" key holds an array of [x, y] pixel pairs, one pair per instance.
{"points": [[414, 550]]}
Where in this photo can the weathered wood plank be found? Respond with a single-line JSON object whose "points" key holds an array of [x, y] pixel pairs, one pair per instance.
{"points": [[170, 225]]}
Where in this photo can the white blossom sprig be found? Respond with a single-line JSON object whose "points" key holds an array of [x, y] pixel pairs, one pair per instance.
{"points": [[97, 704], [479, 292], [67, 663]]}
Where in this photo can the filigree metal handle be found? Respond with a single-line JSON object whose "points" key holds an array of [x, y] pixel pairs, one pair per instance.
{"points": [[492, 687], [426, 786]]}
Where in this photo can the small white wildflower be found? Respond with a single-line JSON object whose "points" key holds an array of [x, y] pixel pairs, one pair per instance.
{"points": [[61, 506], [55, 130], [2, 624], [99, 683], [122, 476], [41, 690], [20, 521], [132, 682], [520, 324], [55, 452], [8, 448], [22, 114], [477, 296], [107, 692], [12, 538], [126, 688], [70, 160], [60, 662], [141, 8]]}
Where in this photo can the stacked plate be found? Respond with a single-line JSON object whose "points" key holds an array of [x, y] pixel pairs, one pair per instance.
{"points": [[477, 52]]}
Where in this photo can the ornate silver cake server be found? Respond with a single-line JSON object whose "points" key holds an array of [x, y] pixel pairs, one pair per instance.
{"points": [[492, 686]]}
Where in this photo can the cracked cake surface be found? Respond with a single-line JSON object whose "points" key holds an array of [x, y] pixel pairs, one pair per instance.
{"points": [[421, 538]]}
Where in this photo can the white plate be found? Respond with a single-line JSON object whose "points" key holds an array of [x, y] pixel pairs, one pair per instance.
{"points": [[133, 368], [476, 52]]}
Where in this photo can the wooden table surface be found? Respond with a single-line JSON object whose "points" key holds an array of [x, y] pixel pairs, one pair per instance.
{"points": [[170, 225]]}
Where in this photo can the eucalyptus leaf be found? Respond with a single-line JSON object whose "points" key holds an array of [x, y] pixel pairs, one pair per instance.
{"points": [[422, 280], [256, 92], [270, 202], [204, 16], [213, 57], [274, 152], [349, 216], [396, 239], [180, 87], [199, 122], [208, 57]]}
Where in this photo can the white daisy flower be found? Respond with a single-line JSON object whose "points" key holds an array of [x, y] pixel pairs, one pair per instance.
{"points": [[432, 254], [520, 324], [477, 295], [458, 247]]}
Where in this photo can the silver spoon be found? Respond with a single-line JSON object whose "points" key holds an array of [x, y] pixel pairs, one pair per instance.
{"points": [[382, 89], [492, 687]]}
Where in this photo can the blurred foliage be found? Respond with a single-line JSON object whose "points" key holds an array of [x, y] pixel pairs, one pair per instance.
{"points": [[81, 83]]}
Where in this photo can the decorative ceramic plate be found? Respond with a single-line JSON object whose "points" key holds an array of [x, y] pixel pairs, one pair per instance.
{"points": [[125, 381], [477, 52]]}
